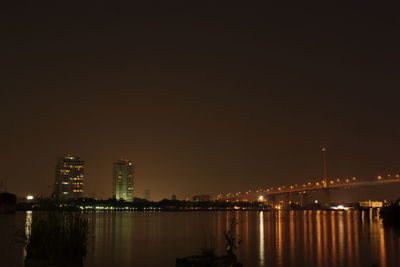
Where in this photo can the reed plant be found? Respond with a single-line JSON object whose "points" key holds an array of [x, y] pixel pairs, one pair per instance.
{"points": [[232, 241], [57, 239]]}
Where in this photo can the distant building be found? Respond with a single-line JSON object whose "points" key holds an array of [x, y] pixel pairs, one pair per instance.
{"points": [[173, 197], [201, 198], [147, 194], [69, 182], [122, 182]]}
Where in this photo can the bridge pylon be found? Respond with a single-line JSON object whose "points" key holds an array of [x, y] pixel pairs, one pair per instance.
{"points": [[271, 200], [303, 199]]}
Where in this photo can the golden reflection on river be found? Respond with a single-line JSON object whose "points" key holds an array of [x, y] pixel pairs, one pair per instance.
{"points": [[317, 238], [269, 238], [261, 239]]}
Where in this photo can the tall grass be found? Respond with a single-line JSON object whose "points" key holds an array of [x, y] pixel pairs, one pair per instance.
{"points": [[232, 241], [58, 238]]}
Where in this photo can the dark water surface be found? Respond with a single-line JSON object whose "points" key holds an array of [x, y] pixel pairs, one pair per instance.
{"points": [[277, 238]]}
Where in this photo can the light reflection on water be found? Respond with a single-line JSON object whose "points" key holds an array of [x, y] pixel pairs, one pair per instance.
{"points": [[261, 238], [276, 238], [28, 222]]}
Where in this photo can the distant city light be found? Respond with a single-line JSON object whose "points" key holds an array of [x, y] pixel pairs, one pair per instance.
{"points": [[29, 197], [340, 207]]}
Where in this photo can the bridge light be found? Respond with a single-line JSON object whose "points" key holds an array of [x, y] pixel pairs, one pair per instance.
{"points": [[379, 177], [309, 183], [397, 176], [291, 187], [337, 180], [317, 183], [304, 185], [331, 182], [347, 180]]}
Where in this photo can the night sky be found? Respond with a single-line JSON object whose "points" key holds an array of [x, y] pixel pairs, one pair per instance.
{"points": [[202, 97]]}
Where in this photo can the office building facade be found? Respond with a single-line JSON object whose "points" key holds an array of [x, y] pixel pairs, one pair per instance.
{"points": [[70, 177], [122, 182]]}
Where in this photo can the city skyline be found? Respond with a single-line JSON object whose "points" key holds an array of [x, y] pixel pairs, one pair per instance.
{"points": [[70, 178], [204, 98]]}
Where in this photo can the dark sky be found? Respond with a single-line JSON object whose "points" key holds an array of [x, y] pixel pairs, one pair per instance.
{"points": [[202, 97]]}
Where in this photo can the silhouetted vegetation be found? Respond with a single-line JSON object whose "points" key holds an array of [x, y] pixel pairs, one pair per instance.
{"points": [[391, 214], [57, 239], [232, 241], [7, 203]]}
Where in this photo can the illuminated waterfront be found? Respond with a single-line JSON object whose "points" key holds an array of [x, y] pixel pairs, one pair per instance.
{"points": [[276, 238]]}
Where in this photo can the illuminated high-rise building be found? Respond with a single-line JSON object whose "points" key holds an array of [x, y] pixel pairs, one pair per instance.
{"points": [[122, 182], [70, 177]]}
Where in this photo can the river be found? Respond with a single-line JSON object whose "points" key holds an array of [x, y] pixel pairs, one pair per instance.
{"points": [[275, 238]]}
